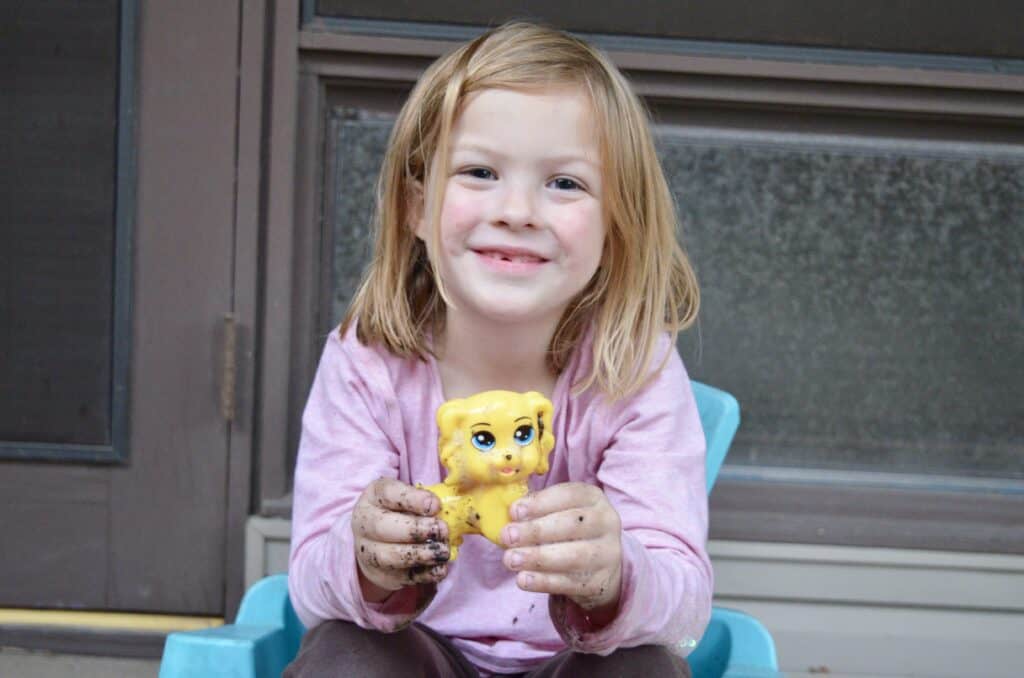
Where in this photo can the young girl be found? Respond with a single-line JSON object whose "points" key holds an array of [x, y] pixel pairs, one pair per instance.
{"points": [[526, 242]]}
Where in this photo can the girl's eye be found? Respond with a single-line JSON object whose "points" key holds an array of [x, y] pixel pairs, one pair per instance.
{"points": [[483, 440], [480, 173], [565, 184], [524, 435]]}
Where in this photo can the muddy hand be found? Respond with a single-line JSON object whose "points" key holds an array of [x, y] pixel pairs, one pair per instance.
{"points": [[398, 539], [566, 540]]}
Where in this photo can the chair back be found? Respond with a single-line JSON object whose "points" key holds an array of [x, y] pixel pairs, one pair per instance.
{"points": [[720, 417]]}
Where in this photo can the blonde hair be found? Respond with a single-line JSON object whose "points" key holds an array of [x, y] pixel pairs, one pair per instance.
{"points": [[644, 285]]}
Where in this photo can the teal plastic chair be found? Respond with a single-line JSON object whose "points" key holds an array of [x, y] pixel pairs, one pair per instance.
{"points": [[267, 633]]}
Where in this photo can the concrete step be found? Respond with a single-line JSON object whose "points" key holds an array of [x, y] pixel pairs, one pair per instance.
{"points": [[18, 663]]}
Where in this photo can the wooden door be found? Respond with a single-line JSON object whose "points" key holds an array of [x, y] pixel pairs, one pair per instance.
{"points": [[140, 523]]}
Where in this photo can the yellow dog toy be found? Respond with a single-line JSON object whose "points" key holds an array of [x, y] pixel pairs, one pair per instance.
{"points": [[490, 443]]}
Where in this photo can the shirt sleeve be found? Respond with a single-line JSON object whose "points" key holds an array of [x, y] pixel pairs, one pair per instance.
{"points": [[345, 445], [653, 474]]}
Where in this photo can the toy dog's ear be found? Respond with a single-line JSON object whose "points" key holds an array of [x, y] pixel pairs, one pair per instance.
{"points": [[543, 411], [450, 418]]}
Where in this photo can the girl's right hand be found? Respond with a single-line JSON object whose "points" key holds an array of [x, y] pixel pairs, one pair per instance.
{"points": [[398, 540]]}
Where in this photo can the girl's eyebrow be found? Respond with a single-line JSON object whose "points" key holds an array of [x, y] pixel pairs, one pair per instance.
{"points": [[480, 423], [521, 418], [560, 159], [475, 147], [570, 159]]}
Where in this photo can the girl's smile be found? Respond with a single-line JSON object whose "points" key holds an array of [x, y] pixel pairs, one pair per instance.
{"points": [[510, 260]]}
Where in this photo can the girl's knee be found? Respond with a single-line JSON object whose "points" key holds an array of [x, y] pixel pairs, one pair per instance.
{"points": [[340, 648], [643, 662]]}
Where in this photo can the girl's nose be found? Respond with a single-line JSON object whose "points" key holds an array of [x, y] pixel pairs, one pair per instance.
{"points": [[508, 457], [516, 209]]}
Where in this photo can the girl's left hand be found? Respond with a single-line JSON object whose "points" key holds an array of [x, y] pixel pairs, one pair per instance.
{"points": [[566, 540]]}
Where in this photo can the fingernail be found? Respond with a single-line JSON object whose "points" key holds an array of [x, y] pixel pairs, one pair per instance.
{"points": [[428, 505], [511, 534], [441, 554], [519, 511], [515, 559], [527, 580]]}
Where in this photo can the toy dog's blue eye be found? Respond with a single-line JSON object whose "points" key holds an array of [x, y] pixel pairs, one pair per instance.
{"points": [[524, 435], [483, 441]]}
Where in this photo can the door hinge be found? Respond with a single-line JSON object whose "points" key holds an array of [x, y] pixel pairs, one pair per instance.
{"points": [[229, 368]]}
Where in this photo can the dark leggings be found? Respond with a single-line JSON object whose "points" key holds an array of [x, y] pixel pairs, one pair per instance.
{"points": [[340, 648]]}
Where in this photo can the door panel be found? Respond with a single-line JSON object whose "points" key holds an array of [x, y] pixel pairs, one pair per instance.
{"points": [[59, 226]]}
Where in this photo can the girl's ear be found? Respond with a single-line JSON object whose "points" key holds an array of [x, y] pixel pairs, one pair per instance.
{"points": [[417, 210]]}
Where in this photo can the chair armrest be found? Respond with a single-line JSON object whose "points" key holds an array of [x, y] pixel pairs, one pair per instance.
{"points": [[235, 651], [735, 645], [261, 642]]}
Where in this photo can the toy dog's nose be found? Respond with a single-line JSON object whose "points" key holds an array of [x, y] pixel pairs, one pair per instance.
{"points": [[508, 457]]}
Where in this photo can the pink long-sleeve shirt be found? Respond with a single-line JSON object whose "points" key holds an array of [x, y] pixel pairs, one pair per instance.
{"points": [[371, 414]]}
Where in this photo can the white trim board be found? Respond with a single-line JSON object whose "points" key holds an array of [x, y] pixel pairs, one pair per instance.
{"points": [[867, 611], [885, 577], [847, 610], [266, 547], [891, 641]]}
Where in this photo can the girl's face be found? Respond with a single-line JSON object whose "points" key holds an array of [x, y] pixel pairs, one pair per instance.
{"points": [[522, 228]]}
